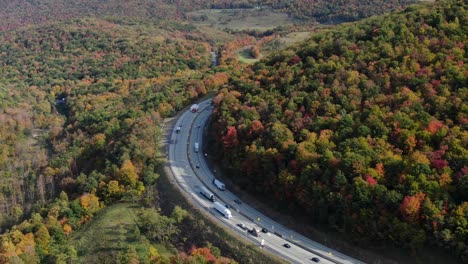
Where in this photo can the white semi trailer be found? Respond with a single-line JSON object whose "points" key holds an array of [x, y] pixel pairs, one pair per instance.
{"points": [[219, 184], [223, 210], [205, 192]]}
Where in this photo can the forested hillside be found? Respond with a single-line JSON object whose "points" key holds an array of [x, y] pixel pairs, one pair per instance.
{"points": [[362, 127], [80, 112], [93, 90], [17, 13], [324, 11]]}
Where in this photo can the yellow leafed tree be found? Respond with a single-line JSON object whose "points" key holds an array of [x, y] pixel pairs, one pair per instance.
{"points": [[127, 174]]}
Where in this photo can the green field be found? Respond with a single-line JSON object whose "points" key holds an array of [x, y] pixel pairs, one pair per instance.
{"points": [[111, 232], [240, 19]]}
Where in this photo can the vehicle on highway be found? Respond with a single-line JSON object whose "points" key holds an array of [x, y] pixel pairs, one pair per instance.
{"points": [[241, 225], [286, 245], [219, 184], [264, 230], [178, 129], [196, 147], [205, 192], [254, 231], [223, 210], [237, 201], [194, 108], [314, 259]]}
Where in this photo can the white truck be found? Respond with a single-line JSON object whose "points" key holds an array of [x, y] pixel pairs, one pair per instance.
{"points": [[194, 108], [223, 210], [205, 192], [195, 147], [219, 184]]}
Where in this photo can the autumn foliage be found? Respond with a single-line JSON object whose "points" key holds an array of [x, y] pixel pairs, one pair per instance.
{"points": [[358, 130], [230, 139], [411, 206]]}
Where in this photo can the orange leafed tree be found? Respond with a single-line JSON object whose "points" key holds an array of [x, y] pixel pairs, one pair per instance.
{"points": [[256, 127], [411, 205], [204, 252], [230, 139]]}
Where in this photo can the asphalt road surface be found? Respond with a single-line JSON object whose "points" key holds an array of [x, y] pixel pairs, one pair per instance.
{"points": [[190, 171]]}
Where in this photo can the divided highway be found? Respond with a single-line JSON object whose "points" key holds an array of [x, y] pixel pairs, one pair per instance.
{"points": [[191, 172]]}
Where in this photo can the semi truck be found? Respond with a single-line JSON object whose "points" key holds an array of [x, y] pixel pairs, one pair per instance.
{"points": [[223, 210], [209, 195], [219, 184], [195, 147]]}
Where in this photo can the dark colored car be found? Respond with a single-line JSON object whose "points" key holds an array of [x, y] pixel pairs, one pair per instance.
{"points": [[264, 230], [286, 245], [242, 226], [314, 259], [237, 201], [254, 232]]}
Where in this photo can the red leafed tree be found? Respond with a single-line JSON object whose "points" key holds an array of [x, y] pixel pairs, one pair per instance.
{"points": [[439, 164], [230, 139], [204, 252], [434, 126], [411, 205], [370, 180], [294, 60], [437, 158]]}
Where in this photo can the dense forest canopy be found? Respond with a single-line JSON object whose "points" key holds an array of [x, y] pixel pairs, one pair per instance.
{"points": [[17, 13], [82, 103], [78, 80], [363, 127], [324, 11]]}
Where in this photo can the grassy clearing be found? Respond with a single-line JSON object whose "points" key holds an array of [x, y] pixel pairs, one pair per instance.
{"points": [[111, 232], [286, 41], [240, 19]]}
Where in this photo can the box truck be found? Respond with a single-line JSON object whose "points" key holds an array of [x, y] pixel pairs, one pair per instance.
{"points": [[219, 184], [223, 210], [205, 192], [195, 147]]}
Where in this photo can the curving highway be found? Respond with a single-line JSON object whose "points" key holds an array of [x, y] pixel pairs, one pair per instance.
{"points": [[191, 172]]}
